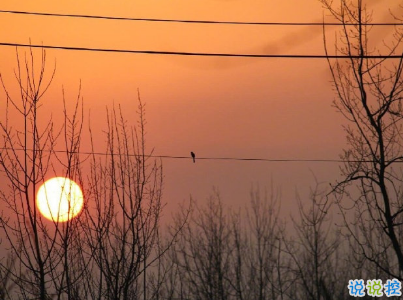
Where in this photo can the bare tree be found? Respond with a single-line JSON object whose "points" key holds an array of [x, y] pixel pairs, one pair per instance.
{"points": [[113, 247], [122, 221], [202, 253], [6, 286], [369, 86], [264, 258], [314, 250], [220, 254], [42, 249]]}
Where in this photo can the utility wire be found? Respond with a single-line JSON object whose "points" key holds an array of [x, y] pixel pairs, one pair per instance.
{"points": [[191, 21], [197, 158], [197, 53]]}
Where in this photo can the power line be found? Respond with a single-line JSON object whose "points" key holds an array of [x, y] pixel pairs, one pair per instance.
{"points": [[251, 159], [292, 160], [192, 21], [197, 53]]}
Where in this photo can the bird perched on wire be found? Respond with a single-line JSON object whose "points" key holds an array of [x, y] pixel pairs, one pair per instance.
{"points": [[193, 156]]}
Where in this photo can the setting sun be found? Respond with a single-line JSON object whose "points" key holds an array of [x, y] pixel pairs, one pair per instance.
{"points": [[59, 199]]}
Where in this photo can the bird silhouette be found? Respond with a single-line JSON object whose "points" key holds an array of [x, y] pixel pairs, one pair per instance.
{"points": [[193, 156]]}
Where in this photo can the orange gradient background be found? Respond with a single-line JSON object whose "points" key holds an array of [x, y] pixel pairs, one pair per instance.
{"points": [[272, 108]]}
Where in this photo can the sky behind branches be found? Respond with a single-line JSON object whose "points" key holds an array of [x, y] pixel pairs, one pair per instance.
{"points": [[272, 108]]}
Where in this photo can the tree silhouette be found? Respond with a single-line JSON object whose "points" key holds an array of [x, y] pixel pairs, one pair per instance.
{"points": [[43, 250], [369, 95]]}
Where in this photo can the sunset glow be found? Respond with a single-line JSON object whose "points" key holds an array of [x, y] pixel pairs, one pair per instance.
{"points": [[60, 199]]}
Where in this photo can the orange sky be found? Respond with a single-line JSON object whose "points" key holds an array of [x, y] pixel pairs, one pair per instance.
{"points": [[217, 107]]}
